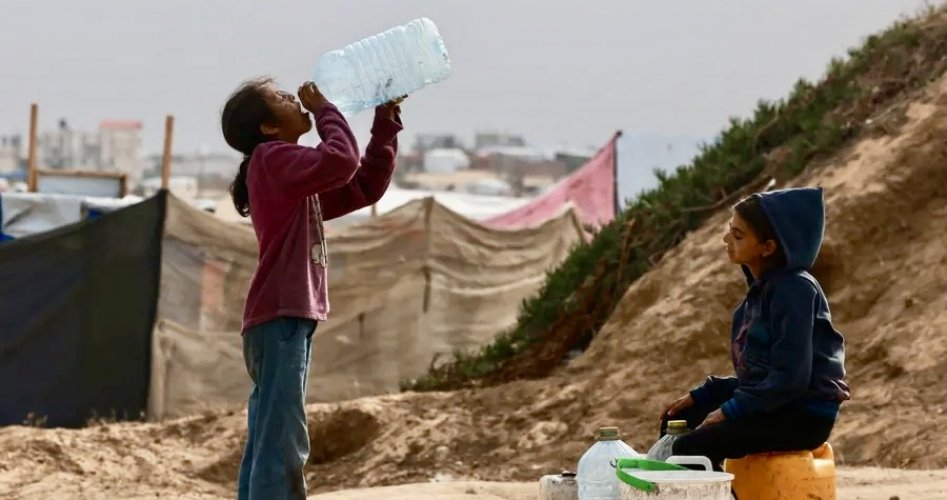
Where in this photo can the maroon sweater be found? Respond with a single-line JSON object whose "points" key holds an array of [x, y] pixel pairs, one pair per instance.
{"points": [[293, 189]]}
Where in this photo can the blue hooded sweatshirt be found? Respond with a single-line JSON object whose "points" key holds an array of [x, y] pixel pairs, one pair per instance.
{"points": [[784, 348]]}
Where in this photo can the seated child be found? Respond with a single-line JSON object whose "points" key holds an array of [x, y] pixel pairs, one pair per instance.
{"points": [[789, 359]]}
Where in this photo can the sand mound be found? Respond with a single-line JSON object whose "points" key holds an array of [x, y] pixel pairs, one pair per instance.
{"points": [[885, 270]]}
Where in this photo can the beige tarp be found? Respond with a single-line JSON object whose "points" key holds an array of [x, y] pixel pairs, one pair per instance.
{"points": [[407, 286]]}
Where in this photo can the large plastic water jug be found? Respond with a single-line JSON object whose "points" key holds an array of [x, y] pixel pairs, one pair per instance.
{"points": [[596, 472], [383, 67], [664, 447]]}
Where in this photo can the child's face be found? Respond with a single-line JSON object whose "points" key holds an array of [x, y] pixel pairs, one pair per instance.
{"points": [[743, 247], [291, 120]]}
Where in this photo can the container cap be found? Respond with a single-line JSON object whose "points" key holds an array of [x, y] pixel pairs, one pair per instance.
{"points": [[677, 424], [607, 434]]}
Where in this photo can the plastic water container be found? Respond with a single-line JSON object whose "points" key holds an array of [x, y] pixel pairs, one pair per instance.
{"points": [[643, 479], [383, 67], [663, 448], [559, 487], [793, 475], [596, 472]]}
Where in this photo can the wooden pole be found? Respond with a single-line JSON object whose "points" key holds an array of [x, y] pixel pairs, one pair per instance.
{"points": [[374, 210], [31, 179], [166, 160]]}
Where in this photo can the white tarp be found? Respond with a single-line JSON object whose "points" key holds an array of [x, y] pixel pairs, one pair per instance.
{"points": [[472, 206], [31, 213]]}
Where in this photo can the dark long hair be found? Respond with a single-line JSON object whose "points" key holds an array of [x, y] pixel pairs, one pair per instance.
{"points": [[750, 210], [240, 120]]}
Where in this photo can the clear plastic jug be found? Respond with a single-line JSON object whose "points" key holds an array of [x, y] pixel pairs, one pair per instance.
{"points": [[663, 448], [382, 67], [596, 472]]}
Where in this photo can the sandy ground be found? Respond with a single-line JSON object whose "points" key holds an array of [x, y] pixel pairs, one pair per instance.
{"points": [[853, 483]]}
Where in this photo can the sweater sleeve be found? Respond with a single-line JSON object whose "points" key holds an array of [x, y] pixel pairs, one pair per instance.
{"points": [[714, 389], [299, 171], [374, 174]]}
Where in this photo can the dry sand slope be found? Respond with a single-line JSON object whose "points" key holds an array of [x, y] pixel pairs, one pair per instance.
{"points": [[884, 267]]}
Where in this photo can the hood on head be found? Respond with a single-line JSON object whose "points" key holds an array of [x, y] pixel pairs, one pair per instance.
{"points": [[798, 218]]}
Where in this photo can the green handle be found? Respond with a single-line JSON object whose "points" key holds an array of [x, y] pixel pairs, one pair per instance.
{"points": [[641, 464]]}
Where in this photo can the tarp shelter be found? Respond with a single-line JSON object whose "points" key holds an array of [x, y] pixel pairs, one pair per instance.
{"points": [[407, 286], [591, 190], [78, 335], [77, 306]]}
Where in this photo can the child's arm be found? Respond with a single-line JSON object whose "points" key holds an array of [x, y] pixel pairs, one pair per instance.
{"points": [[791, 318], [300, 171], [374, 175]]}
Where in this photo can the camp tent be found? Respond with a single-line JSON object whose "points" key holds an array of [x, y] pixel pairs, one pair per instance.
{"points": [[418, 282]]}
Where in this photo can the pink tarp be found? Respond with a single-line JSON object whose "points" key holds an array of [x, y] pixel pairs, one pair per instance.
{"points": [[590, 189]]}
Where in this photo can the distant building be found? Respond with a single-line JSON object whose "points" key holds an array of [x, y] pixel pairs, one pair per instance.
{"points": [[64, 148], [10, 156], [574, 159], [497, 139], [445, 160], [198, 164], [116, 146], [523, 169], [409, 161], [120, 148], [182, 186], [426, 142], [212, 172]]}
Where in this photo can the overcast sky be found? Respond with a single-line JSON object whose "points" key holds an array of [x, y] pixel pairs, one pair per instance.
{"points": [[563, 73]]}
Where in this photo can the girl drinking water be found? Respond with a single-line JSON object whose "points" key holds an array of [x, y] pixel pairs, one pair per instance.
{"points": [[289, 190], [789, 359]]}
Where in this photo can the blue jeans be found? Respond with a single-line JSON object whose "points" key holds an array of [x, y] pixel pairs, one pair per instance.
{"points": [[277, 357]]}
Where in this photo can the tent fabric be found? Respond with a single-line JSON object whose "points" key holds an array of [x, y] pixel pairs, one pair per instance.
{"points": [[472, 206], [591, 189], [3, 236], [420, 282], [405, 287], [197, 358], [201, 369], [23, 214], [77, 308]]}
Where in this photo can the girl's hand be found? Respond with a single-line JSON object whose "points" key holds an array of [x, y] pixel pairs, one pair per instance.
{"points": [[714, 418], [311, 98], [676, 406], [392, 107]]}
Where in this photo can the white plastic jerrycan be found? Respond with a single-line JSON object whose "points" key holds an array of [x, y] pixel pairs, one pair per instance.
{"points": [[596, 473]]}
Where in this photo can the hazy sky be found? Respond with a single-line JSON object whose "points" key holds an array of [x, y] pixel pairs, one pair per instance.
{"points": [[562, 73]]}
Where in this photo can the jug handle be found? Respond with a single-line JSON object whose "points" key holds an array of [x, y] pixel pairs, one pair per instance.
{"points": [[641, 464]]}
